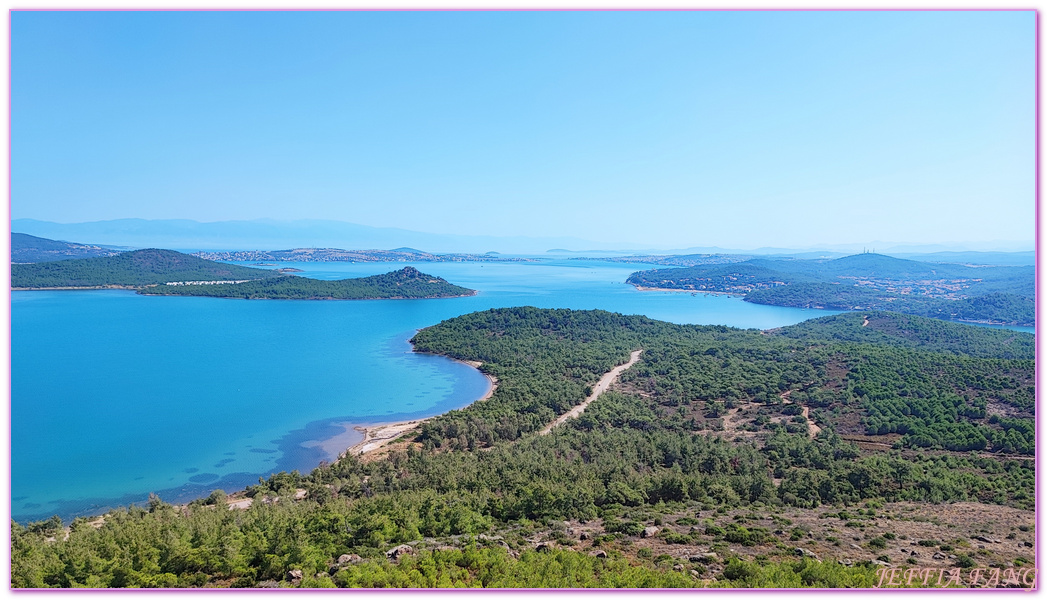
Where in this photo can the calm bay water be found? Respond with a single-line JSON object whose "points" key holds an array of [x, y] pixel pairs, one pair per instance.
{"points": [[116, 395]]}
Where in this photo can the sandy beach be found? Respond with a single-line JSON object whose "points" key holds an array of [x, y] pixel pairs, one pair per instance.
{"points": [[361, 440], [377, 436], [335, 446], [490, 378]]}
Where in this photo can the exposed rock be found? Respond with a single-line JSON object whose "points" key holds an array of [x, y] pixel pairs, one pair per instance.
{"points": [[678, 568], [806, 552], [598, 554], [914, 553], [397, 551], [650, 531], [583, 535], [856, 546], [695, 573], [938, 556], [543, 547], [845, 562], [880, 563], [349, 559], [294, 575]]}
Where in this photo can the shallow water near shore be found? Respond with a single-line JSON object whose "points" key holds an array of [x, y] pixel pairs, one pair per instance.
{"points": [[115, 395]]}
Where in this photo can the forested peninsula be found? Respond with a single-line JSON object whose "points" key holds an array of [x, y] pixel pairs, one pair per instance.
{"points": [[1002, 295], [170, 273], [805, 456]]}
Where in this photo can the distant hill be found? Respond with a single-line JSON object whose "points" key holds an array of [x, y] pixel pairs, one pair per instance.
{"points": [[1004, 295], [130, 269], [405, 283], [27, 248]]}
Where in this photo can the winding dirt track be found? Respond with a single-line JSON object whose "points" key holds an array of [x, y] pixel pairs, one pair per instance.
{"points": [[600, 387]]}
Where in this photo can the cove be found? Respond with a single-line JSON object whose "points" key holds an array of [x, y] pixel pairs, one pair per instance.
{"points": [[116, 395]]}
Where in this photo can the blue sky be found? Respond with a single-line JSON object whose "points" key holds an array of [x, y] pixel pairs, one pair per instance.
{"points": [[671, 129]]}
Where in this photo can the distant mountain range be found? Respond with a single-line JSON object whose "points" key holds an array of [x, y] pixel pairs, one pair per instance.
{"points": [[31, 249], [268, 234], [339, 255], [999, 259]]}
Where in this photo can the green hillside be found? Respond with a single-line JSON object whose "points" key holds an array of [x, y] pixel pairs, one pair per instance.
{"points": [[901, 330], [808, 456]]}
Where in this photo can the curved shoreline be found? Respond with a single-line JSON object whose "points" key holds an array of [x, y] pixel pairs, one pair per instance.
{"points": [[380, 435], [376, 437], [644, 288]]}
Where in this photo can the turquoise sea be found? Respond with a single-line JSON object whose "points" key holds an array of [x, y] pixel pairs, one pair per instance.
{"points": [[116, 395]]}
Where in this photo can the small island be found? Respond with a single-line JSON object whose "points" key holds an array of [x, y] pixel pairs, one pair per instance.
{"points": [[406, 283], [168, 273]]}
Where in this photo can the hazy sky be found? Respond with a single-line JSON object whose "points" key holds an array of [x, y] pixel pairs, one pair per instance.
{"points": [[672, 129]]}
